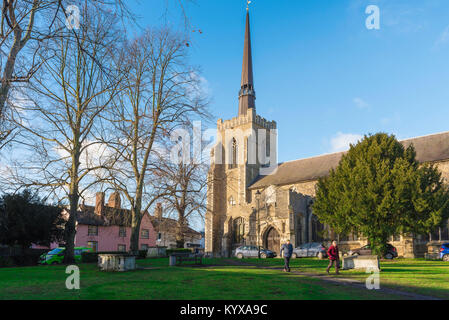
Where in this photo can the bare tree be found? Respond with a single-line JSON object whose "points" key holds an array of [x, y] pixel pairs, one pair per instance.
{"points": [[26, 25], [67, 98], [185, 186], [160, 92]]}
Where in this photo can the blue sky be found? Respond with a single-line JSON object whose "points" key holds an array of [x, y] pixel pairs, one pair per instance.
{"points": [[319, 72]]}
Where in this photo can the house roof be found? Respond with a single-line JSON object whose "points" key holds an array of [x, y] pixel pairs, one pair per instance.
{"points": [[122, 217], [110, 217], [429, 148], [170, 225]]}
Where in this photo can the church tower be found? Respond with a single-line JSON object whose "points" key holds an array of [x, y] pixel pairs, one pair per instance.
{"points": [[243, 148]]}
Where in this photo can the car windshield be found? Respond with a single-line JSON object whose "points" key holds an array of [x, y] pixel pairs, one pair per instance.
{"points": [[56, 251]]}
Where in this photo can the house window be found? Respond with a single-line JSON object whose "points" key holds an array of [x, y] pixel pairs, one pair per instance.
{"points": [[232, 201], [121, 248], [122, 232], [144, 247], [92, 230], [159, 236], [145, 234], [93, 245]]}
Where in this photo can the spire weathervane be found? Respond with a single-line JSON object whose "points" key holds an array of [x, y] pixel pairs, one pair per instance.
{"points": [[248, 2]]}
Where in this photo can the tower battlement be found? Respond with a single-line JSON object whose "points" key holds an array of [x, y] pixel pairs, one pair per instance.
{"points": [[250, 117]]}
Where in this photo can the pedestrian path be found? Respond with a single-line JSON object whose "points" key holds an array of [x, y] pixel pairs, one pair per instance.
{"points": [[340, 280]]}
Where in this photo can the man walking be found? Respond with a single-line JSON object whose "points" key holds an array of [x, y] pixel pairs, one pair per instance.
{"points": [[334, 257], [287, 248]]}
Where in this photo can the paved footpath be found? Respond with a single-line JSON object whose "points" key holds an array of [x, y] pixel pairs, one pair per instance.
{"points": [[339, 280]]}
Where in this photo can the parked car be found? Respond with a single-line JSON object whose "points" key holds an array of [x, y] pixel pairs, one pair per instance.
{"points": [[251, 252], [366, 251], [311, 249], [56, 255], [444, 252]]}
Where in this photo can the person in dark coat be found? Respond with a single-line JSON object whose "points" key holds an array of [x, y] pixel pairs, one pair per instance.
{"points": [[287, 248], [334, 257]]}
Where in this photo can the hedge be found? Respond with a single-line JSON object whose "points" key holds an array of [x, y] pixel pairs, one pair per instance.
{"points": [[178, 250], [28, 257], [92, 257]]}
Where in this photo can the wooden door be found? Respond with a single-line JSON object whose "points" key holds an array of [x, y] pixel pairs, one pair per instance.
{"points": [[273, 241]]}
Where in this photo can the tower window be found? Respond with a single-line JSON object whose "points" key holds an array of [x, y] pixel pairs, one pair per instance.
{"points": [[234, 154], [232, 201]]}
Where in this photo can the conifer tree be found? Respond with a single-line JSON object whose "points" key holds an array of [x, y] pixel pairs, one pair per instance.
{"points": [[379, 189]]}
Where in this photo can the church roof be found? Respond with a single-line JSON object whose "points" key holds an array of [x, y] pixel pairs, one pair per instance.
{"points": [[170, 225], [429, 148]]}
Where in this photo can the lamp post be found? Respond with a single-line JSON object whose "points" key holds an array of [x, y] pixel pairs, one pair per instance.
{"points": [[258, 222]]}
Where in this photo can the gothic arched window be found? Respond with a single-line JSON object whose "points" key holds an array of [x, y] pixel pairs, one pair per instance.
{"points": [[317, 230], [298, 232], [239, 230], [234, 154]]}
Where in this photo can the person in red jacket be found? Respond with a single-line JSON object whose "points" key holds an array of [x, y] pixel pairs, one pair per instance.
{"points": [[334, 257]]}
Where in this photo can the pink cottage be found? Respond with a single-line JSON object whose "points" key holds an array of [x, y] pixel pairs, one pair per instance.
{"points": [[108, 227]]}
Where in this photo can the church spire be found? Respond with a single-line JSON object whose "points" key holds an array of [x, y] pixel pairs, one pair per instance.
{"points": [[247, 95]]}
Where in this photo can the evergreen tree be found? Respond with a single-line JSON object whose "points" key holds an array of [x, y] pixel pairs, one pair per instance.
{"points": [[380, 189], [27, 219]]}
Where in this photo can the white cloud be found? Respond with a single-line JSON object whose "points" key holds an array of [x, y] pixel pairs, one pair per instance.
{"points": [[341, 141], [443, 38], [360, 103]]}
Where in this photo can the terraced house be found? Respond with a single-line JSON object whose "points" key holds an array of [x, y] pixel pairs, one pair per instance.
{"points": [[107, 226], [246, 206]]}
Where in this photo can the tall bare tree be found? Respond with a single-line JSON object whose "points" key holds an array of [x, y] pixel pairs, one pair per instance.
{"points": [[72, 89], [161, 91], [25, 26], [185, 186]]}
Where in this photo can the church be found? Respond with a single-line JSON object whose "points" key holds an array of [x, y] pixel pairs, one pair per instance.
{"points": [[249, 204]]}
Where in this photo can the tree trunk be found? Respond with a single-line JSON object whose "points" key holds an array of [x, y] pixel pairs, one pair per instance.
{"points": [[135, 230], [180, 236], [70, 226], [70, 230]]}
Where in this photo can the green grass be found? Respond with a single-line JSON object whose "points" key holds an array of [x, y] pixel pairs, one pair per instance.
{"points": [[163, 282], [413, 275]]}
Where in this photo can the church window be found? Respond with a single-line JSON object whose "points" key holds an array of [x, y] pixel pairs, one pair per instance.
{"points": [[234, 154], [232, 201], [298, 232], [239, 230], [317, 230]]}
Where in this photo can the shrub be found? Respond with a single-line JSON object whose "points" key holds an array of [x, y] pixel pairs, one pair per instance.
{"points": [[89, 257], [6, 262], [142, 254]]}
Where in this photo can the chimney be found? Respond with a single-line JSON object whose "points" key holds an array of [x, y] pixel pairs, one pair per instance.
{"points": [[158, 211], [115, 200], [99, 203]]}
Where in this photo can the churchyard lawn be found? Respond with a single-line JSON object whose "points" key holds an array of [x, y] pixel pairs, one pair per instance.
{"points": [[226, 279]]}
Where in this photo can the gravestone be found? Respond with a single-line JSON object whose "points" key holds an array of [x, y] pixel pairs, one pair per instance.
{"points": [[361, 262], [119, 262]]}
